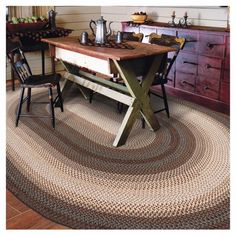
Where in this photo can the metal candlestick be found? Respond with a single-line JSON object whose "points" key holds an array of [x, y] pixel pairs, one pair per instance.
{"points": [[183, 22], [172, 23]]}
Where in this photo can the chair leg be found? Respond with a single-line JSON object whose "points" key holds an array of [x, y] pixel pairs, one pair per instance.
{"points": [[91, 96], [120, 107], [13, 79], [20, 106], [143, 123], [165, 100], [28, 99], [60, 97], [52, 107], [43, 61]]}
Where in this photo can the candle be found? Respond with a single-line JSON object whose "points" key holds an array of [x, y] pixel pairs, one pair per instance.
{"points": [[185, 14], [173, 13]]}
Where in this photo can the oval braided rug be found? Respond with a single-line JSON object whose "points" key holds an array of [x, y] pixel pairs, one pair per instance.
{"points": [[175, 178]]}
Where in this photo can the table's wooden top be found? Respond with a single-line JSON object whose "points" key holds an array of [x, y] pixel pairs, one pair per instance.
{"points": [[140, 49]]}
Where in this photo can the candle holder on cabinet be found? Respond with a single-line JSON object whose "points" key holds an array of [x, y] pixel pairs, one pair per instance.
{"points": [[172, 22], [183, 22]]}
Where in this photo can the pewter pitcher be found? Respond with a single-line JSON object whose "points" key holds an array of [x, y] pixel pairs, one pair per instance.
{"points": [[101, 30], [52, 19]]}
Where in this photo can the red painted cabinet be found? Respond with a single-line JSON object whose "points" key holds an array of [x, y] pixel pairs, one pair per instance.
{"points": [[187, 63], [191, 41], [208, 87], [211, 45], [201, 72], [209, 67], [185, 81], [225, 85]]}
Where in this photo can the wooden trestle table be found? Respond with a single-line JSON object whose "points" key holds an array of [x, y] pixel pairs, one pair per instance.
{"points": [[143, 60]]}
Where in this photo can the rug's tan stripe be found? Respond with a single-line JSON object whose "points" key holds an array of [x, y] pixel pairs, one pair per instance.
{"points": [[65, 141], [195, 108], [182, 196], [80, 183], [159, 222], [159, 215], [40, 142], [73, 188]]}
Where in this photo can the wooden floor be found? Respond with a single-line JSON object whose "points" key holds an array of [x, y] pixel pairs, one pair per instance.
{"points": [[19, 216]]}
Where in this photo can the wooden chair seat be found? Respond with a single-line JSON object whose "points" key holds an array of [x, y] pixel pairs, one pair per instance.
{"points": [[49, 80]]}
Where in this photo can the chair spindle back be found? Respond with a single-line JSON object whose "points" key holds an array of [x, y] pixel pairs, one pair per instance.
{"points": [[19, 64], [169, 41], [132, 36]]}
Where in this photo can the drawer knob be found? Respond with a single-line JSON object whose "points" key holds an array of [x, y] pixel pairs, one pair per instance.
{"points": [[211, 45], [208, 88], [190, 41], [185, 82], [189, 62], [208, 66]]}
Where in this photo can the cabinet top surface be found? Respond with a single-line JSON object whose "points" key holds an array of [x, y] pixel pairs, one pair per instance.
{"points": [[140, 49], [192, 27]]}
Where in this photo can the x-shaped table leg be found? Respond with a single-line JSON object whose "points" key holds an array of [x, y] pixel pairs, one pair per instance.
{"points": [[139, 92]]}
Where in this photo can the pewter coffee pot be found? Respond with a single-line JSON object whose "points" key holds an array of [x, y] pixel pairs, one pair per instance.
{"points": [[101, 30]]}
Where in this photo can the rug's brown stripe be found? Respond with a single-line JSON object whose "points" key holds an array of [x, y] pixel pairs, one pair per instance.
{"points": [[103, 152], [169, 168], [78, 217], [39, 128], [207, 206], [112, 187], [209, 199]]}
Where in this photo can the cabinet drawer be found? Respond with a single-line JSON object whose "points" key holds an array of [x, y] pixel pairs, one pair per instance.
{"points": [[207, 87], [166, 31], [209, 67], [191, 41], [171, 80], [187, 63], [211, 45], [225, 93], [127, 28], [147, 31], [185, 81]]}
